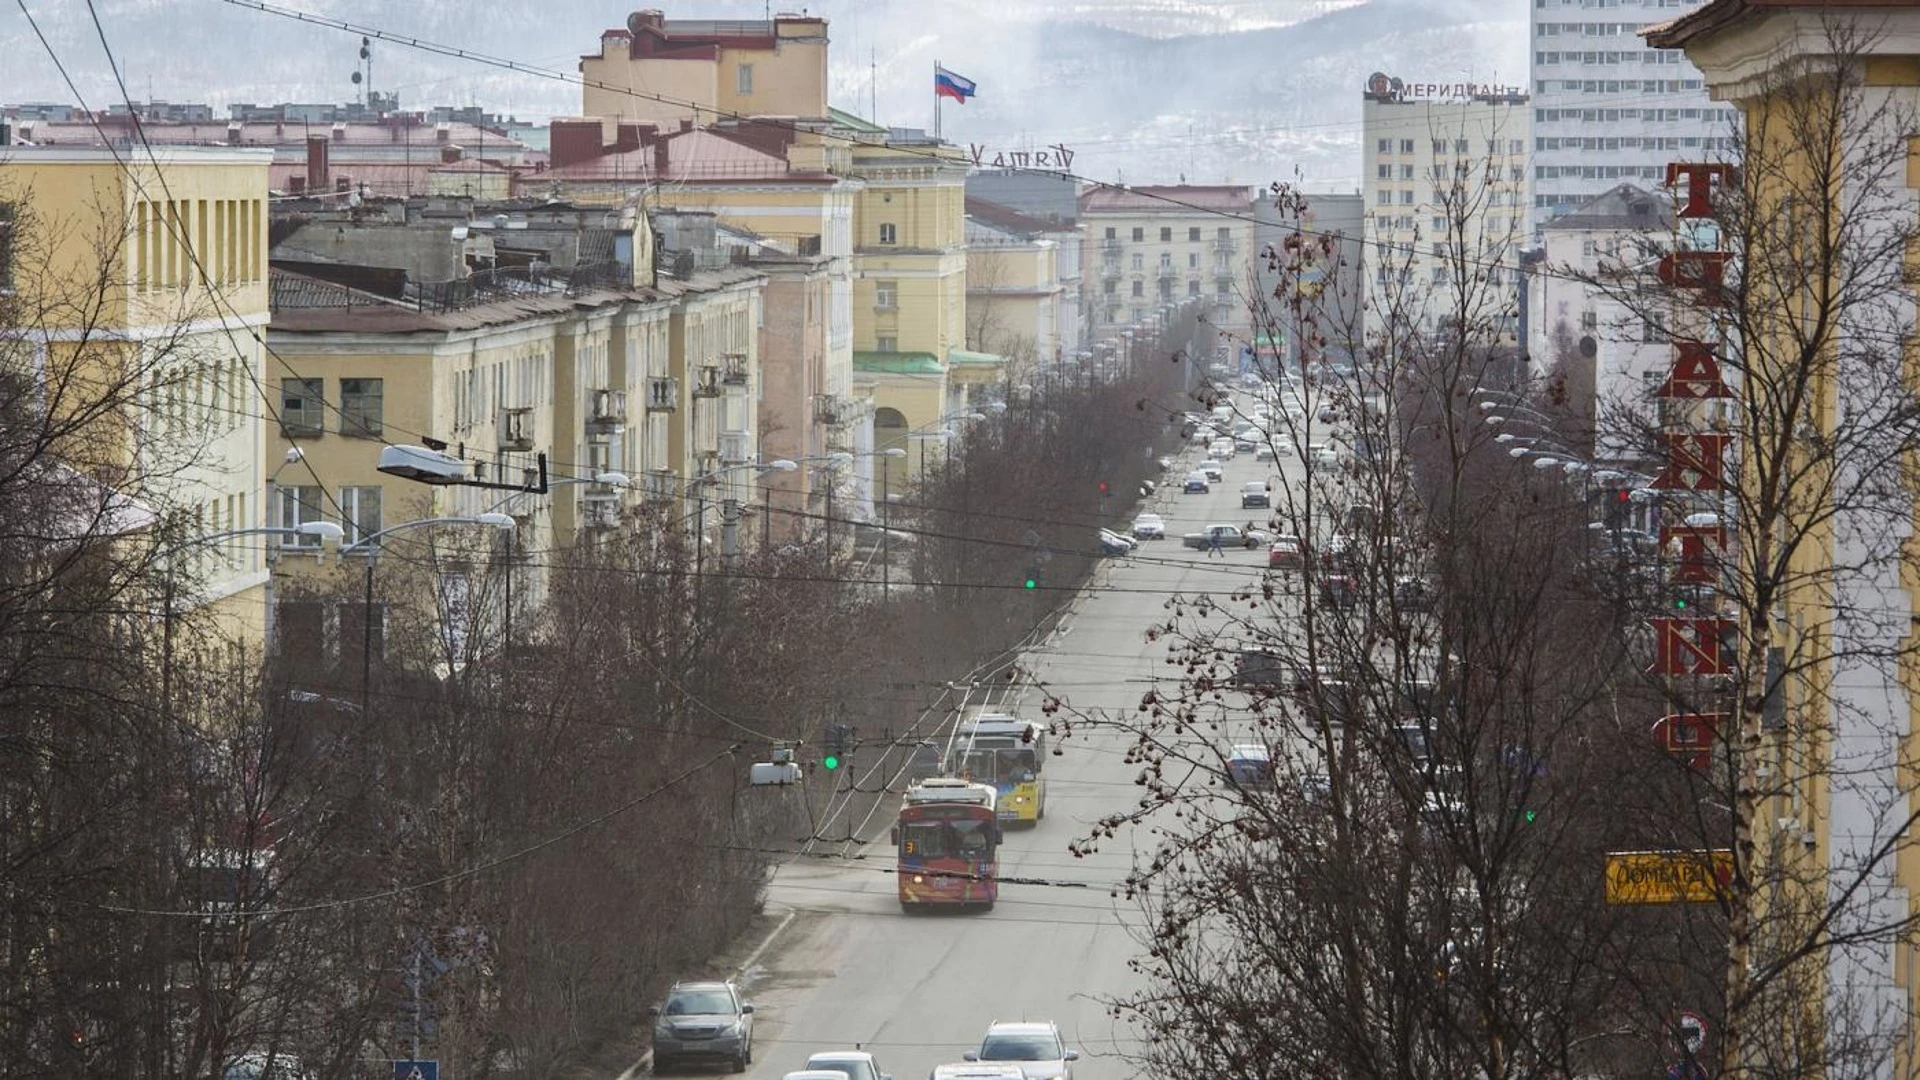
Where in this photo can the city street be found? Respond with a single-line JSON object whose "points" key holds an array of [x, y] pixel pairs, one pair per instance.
{"points": [[919, 990]]}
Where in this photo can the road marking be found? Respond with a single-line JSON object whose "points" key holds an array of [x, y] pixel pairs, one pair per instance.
{"points": [[755, 955]]}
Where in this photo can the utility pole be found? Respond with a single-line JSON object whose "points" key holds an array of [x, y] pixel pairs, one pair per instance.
{"points": [[886, 533], [730, 529]]}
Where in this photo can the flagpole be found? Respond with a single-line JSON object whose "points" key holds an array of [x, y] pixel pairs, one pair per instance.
{"points": [[936, 99]]}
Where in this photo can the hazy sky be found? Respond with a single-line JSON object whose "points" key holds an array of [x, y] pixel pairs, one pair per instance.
{"points": [[1248, 90]]}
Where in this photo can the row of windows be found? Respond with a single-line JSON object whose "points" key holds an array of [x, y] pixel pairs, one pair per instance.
{"points": [[1616, 86], [1495, 225], [1385, 171], [524, 382], [1439, 275], [299, 504], [1607, 116], [303, 407], [208, 396], [1647, 56], [1637, 142], [1460, 146], [1386, 197], [1166, 234], [1656, 173], [1574, 29], [176, 241], [1166, 288], [1615, 3]]}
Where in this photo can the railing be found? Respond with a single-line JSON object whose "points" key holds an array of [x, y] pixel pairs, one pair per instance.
{"points": [[599, 515], [516, 429], [663, 394], [707, 383], [733, 369], [609, 409], [735, 447], [658, 486], [827, 410]]}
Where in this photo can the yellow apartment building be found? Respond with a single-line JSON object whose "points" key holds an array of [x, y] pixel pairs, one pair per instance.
{"points": [[656, 70], [147, 273], [1837, 771], [1015, 296], [1148, 246]]}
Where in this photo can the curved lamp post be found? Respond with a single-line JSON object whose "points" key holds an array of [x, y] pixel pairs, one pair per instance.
{"points": [[729, 507], [370, 545]]}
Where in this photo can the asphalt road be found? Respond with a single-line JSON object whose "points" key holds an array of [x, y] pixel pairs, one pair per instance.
{"points": [[851, 969]]}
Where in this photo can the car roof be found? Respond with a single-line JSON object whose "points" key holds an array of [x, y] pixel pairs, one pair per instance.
{"points": [[841, 1055], [976, 1070], [1023, 1027], [701, 986], [815, 1074]]}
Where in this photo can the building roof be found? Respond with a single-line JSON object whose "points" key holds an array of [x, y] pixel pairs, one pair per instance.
{"points": [[1009, 220], [844, 119], [346, 135], [1622, 206], [691, 155], [1167, 199], [969, 358], [898, 363]]}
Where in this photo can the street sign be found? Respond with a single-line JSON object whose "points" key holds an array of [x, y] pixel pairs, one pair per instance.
{"points": [[1667, 877], [416, 1070], [1691, 1030], [1686, 1070]]}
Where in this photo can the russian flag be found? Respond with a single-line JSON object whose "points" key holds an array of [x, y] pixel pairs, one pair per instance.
{"points": [[947, 84]]}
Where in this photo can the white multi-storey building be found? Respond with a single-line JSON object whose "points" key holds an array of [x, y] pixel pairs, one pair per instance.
{"points": [[1418, 141], [1606, 108]]}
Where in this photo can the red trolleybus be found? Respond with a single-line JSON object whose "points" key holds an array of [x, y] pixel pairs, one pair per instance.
{"points": [[947, 842]]}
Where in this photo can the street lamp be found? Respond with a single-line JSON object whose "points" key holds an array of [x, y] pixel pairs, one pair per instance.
{"points": [[369, 544], [614, 479], [321, 530], [729, 507]]}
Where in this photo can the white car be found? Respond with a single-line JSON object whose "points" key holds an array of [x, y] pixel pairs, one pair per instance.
{"points": [[851, 1064], [1211, 467], [1221, 448], [1324, 456], [1149, 527], [1035, 1046]]}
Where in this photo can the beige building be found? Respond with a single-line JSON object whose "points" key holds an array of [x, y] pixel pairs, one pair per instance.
{"points": [[147, 273], [657, 71], [1151, 246], [1445, 189], [1016, 301]]}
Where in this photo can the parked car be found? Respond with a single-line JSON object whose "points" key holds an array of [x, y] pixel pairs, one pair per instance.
{"points": [[1255, 494], [852, 1064], [264, 1066], [969, 1070], [1165, 463], [1198, 483], [1249, 765], [1340, 591], [1287, 553], [1149, 527], [1034, 1045], [1412, 593], [703, 1021], [1230, 536]]}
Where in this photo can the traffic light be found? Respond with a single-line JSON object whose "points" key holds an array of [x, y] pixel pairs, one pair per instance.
{"points": [[839, 746], [1103, 487], [1032, 580], [831, 761]]}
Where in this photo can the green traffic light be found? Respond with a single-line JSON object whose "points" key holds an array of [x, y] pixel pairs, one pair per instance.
{"points": [[831, 761], [1531, 814]]}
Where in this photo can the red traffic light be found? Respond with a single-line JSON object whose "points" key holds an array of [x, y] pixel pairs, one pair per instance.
{"points": [[1103, 487]]}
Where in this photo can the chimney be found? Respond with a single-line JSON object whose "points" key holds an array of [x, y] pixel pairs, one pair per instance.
{"points": [[442, 133], [629, 137], [686, 124], [339, 132], [660, 157], [236, 132], [449, 155], [317, 150]]}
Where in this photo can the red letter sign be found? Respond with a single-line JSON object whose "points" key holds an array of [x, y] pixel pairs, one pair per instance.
{"points": [[1695, 375], [1691, 647], [1694, 461], [1699, 178], [1699, 553]]}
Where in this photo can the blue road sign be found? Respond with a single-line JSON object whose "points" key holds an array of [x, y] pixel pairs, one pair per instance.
{"points": [[416, 1070]]}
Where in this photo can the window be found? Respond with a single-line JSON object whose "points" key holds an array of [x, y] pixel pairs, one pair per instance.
{"points": [[1383, 171], [1137, 261], [1166, 289], [1139, 233], [360, 512], [1406, 197], [1112, 287], [1406, 171], [1459, 146], [1385, 146], [1439, 146], [1193, 288], [1138, 288], [302, 401], [743, 79], [361, 408], [886, 344], [299, 505], [1166, 235], [886, 294], [889, 233], [1406, 146], [1223, 290], [1383, 197], [1439, 225], [1166, 260], [1111, 235], [1589, 321], [1223, 234], [1193, 259]]}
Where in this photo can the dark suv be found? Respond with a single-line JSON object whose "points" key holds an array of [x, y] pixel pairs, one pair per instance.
{"points": [[703, 1021]]}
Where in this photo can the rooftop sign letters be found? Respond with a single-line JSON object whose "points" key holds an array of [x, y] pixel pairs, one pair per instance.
{"points": [[1384, 87], [1055, 156]]}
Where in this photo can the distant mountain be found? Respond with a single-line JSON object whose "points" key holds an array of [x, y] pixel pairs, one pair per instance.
{"points": [[1145, 90]]}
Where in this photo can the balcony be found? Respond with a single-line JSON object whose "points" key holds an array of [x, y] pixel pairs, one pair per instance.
{"points": [[599, 515], [736, 447], [1225, 244], [1110, 270], [1166, 272], [658, 486], [1110, 243], [733, 369], [606, 411], [663, 394], [1223, 273], [516, 430], [706, 384], [829, 409], [599, 493]]}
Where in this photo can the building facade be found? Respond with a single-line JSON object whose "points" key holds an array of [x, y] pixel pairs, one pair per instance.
{"points": [[1015, 298], [656, 70], [147, 272], [1151, 246], [1338, 288], [1445, 187], [1607, 108]]}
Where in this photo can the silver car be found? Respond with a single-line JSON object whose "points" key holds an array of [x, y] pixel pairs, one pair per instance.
{"points": [[1035, 1046], [703, 1021]]}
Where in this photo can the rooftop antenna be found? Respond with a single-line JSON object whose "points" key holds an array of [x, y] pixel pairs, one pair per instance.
{"points": [[873, 85], [365, 83]]}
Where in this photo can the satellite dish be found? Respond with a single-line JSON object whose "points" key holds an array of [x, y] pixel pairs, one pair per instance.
{"points": [[356, 78]]}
